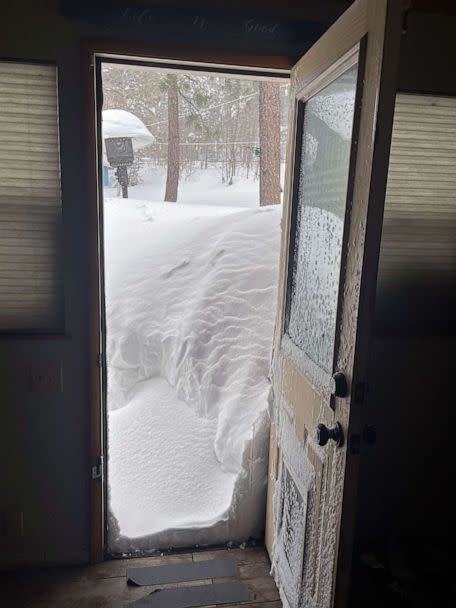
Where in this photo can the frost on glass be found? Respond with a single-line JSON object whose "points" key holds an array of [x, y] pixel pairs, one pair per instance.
{"points": [[321, 200], [293, 525], [291, 537]]}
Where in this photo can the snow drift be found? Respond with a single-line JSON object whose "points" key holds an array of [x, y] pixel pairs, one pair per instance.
{"points": [[190, 304]]}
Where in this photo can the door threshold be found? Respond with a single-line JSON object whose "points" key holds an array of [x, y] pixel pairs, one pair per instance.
{"points": [[184, 550]]}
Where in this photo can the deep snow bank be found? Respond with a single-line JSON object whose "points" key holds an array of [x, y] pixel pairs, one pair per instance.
{"points": [[190, 295]]}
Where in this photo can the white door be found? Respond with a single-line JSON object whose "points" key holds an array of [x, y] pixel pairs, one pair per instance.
{"points": [[343, 94]]}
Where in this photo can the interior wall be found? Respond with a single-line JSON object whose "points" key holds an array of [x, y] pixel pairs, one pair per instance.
{"points": [[44, 480], [404, 476], [45, 473]]}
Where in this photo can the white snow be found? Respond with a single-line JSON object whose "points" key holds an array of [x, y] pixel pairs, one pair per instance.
{"points": [[202, 188], [190, 303], [120, 123], [145, 431]]}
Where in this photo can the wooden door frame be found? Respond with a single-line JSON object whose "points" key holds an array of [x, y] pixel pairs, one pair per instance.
{"points": [[175, 57]]}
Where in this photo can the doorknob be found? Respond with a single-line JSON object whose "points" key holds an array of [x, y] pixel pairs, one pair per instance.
{"points": [[336, 433], [339, 386]]}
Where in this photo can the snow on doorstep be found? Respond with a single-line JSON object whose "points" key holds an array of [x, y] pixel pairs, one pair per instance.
{"points": [[190, 302], [157, 423]]}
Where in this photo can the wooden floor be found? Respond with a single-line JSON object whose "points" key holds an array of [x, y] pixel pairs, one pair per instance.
{"points": [[104, 585]]}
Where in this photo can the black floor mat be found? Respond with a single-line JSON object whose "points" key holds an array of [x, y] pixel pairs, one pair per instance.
{"points": [[231, 592], [181, 572]]}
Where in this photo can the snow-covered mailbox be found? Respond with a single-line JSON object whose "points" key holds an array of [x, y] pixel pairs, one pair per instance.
{"points": [[119, 151], [123, 134]]}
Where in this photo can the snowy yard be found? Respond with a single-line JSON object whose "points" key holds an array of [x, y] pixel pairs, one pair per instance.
{"points": [[190, 302], [202, 188]]}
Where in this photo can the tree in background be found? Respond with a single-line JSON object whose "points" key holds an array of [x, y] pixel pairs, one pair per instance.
{"points": [[220, 122], [269, 114], [137, 90], [172, 176], [230, 127]]}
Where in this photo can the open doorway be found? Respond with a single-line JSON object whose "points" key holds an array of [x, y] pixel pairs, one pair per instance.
{"points": [[192, 186]]}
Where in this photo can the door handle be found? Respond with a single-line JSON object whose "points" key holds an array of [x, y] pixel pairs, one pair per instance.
{"points": [[323, 434], [339, 385]]}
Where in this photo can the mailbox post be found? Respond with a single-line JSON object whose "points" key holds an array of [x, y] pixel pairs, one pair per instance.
{"points": [[119, 151]]}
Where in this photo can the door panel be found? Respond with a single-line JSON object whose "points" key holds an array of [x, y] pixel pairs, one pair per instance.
{"points": [[322, 161], [342, 92]]}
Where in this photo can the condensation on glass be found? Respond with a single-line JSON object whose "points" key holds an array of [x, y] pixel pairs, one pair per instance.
{"points": [[321, 195]]}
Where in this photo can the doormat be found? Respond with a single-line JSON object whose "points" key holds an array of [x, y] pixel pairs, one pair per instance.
{"points": [[231, 592], [181, 572]]}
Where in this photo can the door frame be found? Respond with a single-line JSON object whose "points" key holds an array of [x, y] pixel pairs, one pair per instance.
{"points": [[230, 62]]}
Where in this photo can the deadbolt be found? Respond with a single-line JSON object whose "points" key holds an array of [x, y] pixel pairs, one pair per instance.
{"points": [[339, 386], [336, 433]]}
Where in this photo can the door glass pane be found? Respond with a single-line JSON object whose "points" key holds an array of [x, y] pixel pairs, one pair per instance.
{"points": [[322, 175]]}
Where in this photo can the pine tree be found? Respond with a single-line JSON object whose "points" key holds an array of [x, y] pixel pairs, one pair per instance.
{"points": [[216, 124], [269, 111], [172, 177]]}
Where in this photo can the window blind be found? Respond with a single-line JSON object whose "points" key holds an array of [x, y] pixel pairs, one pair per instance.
{"points": [[31, 281], [418, 251]]}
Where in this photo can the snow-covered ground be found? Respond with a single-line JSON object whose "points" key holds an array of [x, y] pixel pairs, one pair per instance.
{"points": [[202, 188], [190, 301]]}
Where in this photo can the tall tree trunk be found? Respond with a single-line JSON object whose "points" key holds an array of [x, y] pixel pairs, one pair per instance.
{"points": [[269, 143], [172, 177]]}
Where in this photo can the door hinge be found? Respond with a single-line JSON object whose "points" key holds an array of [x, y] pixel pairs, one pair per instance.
{"points": [[354, 443], [100, 360], [360, 392], [97, 468], [370, 434]]}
